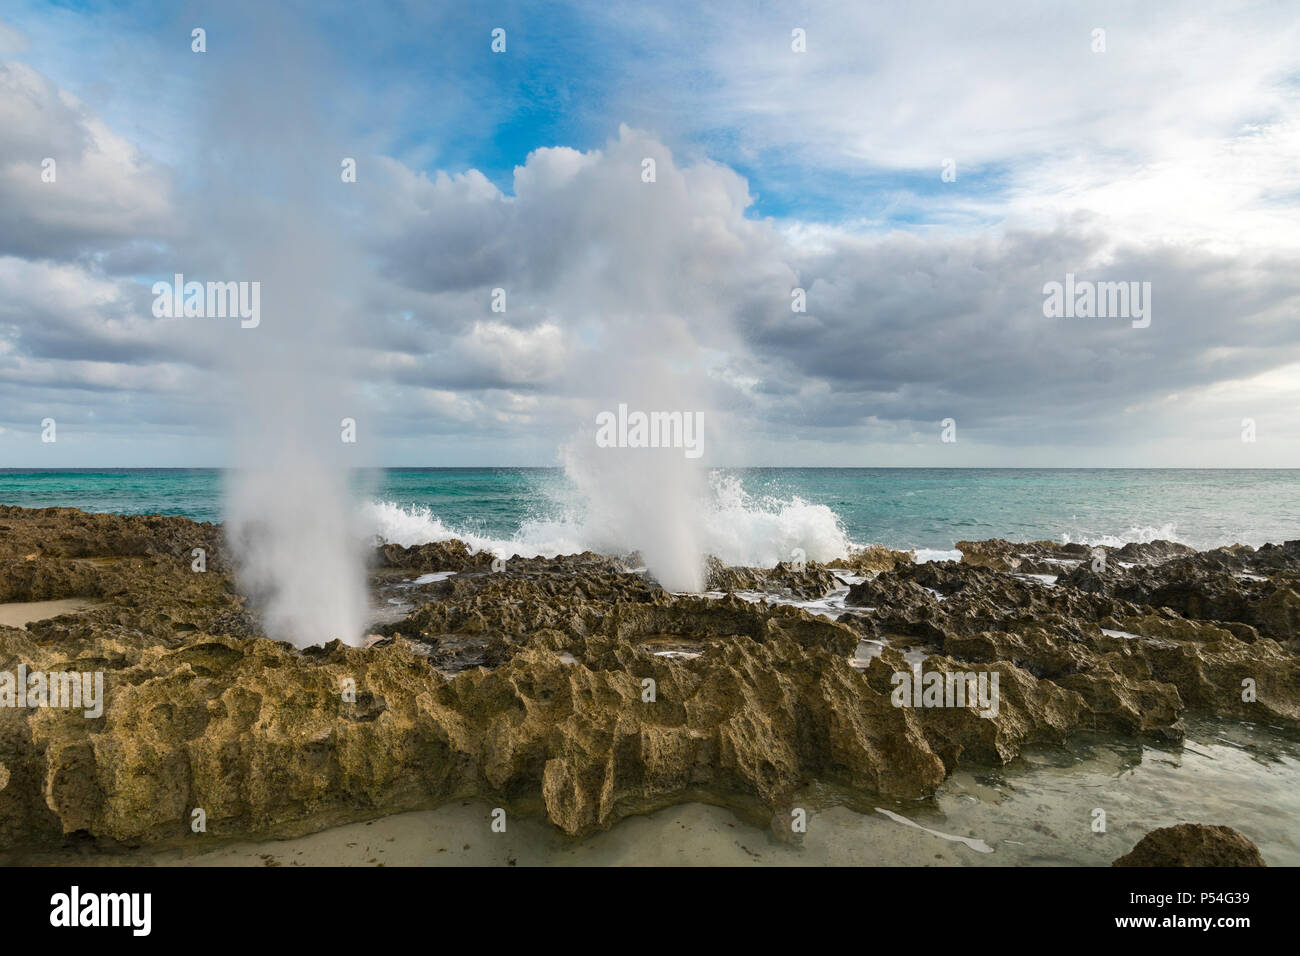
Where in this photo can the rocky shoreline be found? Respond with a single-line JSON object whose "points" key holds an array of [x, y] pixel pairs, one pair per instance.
{"points": [[578, 690]]}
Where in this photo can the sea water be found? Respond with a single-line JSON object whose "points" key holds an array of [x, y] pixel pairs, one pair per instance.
{"points": [[754, 516]]}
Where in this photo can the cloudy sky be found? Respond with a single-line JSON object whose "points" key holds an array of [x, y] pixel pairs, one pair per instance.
{"points": [[1153, 143]]}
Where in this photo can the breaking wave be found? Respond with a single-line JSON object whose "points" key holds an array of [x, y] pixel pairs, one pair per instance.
{"points": [[735, 526]]}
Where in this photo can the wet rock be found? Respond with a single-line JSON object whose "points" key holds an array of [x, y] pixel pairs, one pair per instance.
{"points": [[571, 710], [1027, 710], [1193, 844], [1278, 612], [901, 596], [1083, 578], [1151, 552], [1048, 557], [809, 582], [1135, 684], [873, 559], [1030, 556], [434, 556], [1272, 558], [578, 689], [263, 738]]}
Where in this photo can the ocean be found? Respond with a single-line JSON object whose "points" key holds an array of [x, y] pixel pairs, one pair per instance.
{"points": [[753, 516]]}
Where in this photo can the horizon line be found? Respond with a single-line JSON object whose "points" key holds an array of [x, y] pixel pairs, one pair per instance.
{"points": [[71, 468]]}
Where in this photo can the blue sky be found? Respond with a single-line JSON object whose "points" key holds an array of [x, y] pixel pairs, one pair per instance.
{"points": [[563, 82], [1166, 156]]}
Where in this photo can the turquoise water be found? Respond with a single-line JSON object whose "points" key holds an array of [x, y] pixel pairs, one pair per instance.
{"points": [[903, 508]]}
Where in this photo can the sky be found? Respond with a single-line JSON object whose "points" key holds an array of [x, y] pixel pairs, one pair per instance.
{"points": [[921, 171]]}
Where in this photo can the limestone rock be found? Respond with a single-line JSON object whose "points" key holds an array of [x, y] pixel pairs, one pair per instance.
{"points": [[872, 559], [576, 688], [1193, 844]]}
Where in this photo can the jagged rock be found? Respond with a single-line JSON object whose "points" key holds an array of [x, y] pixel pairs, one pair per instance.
{"points": [[872, 559], [1193, 844], [1151, 552], [1213, 669], [1271, 558], [1138, 685], [1003, 555], [1028, 711], [1083, 578], [807, 583], [577, 688], [1048, 557], [261, 737], [435, 556], [1278, 613]]}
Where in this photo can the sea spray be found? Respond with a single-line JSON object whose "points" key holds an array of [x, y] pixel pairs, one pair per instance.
{"points": [[650, 500], [296, 423], [298, 559], [290, 516], [743, 529]]}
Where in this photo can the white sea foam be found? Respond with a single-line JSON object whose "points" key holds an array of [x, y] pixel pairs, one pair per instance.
{"points": [[1135, 535], [412, 525], [729, 523], [741, 529], [924, 555]]}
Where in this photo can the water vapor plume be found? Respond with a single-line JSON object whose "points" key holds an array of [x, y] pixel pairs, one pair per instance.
{"points": [[272, 180]]}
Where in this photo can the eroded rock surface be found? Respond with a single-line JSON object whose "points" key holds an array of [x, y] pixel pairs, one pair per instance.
{"points": [[1193, 844], [807, 582], [579, 689], [872, 559]]}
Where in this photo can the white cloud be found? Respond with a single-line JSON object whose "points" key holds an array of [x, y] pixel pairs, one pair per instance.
{"points": [[103, 189], [1169, 158]]}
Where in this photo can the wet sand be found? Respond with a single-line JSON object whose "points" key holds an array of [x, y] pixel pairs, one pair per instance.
{"points": [[693, 834]]}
